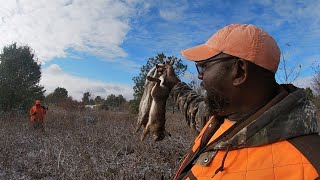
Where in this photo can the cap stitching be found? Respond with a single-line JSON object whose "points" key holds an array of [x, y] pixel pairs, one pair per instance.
{"points": [[256, 46], [225, 37]]}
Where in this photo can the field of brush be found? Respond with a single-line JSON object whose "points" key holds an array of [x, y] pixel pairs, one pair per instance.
{"points": [[89, 145]]}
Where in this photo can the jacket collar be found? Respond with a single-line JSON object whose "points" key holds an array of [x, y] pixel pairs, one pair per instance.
{"points": [[288, 115]]}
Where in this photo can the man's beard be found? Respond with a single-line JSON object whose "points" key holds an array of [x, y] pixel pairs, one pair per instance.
{"points": [[216, 103]]}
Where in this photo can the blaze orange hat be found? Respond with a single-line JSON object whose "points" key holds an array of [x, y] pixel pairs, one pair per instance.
{"points": [[38, 102], [245, 41]]}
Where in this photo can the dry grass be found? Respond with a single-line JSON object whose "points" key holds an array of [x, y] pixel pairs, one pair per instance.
{"points": [[89, 145]]}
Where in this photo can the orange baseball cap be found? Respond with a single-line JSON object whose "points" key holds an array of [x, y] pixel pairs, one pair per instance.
{"points": [[38, 102], [245, 41]]}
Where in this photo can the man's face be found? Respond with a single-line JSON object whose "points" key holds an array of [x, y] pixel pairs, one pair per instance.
{"points": [[37, 105], [215, 80]]}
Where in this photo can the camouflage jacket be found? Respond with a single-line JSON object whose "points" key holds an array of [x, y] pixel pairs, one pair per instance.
{"points": [[191, 104], [289, 114]]}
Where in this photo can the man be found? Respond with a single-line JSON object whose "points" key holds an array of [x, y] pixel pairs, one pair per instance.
{"points": [[37, 115], [257, 128]]}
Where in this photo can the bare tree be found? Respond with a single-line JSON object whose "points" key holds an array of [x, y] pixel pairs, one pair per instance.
{"points": [[316, 80], [195, 83], [316, 86], [288, 72]]}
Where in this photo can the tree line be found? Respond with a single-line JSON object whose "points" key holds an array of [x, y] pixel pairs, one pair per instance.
{"points": [[60, 97], [20, 73]]}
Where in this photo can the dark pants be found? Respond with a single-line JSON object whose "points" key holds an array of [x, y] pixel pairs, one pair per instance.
{"points": [[38, 124]]}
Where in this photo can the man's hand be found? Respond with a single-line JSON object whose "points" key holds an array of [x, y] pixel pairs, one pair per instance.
{"points": [[170, 77]]}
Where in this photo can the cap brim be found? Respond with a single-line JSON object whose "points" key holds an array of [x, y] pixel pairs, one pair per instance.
{"points": [[199, 53]]}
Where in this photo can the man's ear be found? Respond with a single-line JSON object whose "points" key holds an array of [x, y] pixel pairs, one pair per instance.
{"points": [[239, 72]]}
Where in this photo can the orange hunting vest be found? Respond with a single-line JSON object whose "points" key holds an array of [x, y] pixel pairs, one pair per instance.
{"points": [[275, 161], [37, 113]]}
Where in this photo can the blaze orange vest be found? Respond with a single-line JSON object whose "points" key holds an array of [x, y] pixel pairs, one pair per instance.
{"points": [[279, 160], [37, 113]]}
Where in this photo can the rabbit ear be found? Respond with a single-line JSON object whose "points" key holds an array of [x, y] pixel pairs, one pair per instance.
{"points": [[161, 65], [170, 61], [161, 69], [151, 71], [154, 79]]}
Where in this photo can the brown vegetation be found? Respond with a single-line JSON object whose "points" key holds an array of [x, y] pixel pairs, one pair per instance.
{"points": [[89, 145]]}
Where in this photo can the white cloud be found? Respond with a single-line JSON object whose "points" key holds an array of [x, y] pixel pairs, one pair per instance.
{"points": [[53, 77], [51, 27], [304, 82], [170, 10], [302, 16], [169, 14]]}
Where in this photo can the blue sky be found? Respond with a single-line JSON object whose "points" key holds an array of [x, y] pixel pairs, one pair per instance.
{"points": [[99, 45]]}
